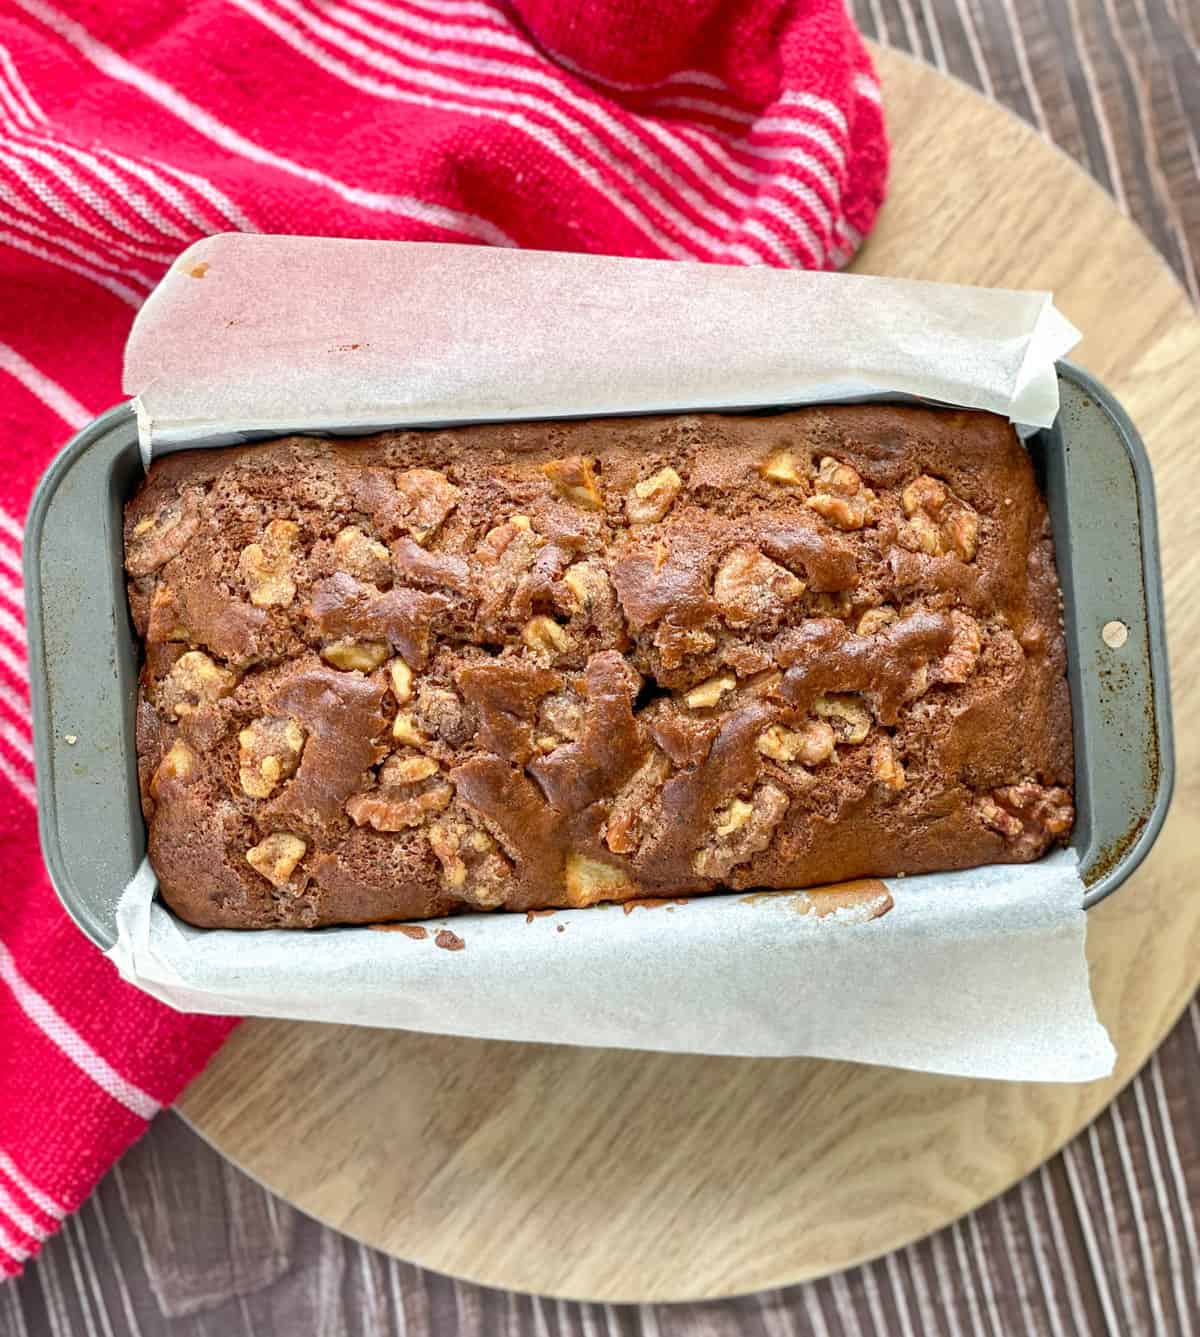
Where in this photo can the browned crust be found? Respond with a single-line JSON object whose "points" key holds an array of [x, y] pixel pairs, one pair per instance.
{"points": [[572, 769]]}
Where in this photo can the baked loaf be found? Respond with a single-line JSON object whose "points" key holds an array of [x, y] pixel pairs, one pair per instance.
{"points": [[550, 664]]}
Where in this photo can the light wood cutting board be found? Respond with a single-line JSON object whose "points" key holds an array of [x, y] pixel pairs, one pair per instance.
{"points": [[630, 1176]]}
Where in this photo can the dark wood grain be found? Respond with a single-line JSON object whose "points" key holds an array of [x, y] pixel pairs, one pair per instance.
{"points": [[1105, 1238]]}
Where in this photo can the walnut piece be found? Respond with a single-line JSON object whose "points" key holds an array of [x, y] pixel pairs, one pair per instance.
{"points": [[733, 817], [710, 692], [885, 767], [266, 566], [920, 534], [403, 798], [837, 479], [623, 830], [780, 467], [1051, 809], [574, 478], [938, 521], [827, 604], [875, 619], [588, 583], [749, 587], [440, 712], [561, 718], [276, 857], [961, 532], [1028, 815], [844, 512], [653, 497], [178, 764], [497, 541], [839, 495], [472, 864], [389, 811], [918, 684], [446, 846], [165, 621], [268, 752], [745, 660], [849, 716], [927, 494], [810, 746], [401, 677], [962, 658], [347, 653], [546, 636], [589, 880], [676, 643], [404, 730], [406, 769], [195, 680], [1000, 819], [741, 830], [364, 557], [428, 498], [507, 553], [155, 539]]}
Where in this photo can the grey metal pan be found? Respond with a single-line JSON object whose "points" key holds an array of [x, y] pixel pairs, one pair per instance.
{"points": [[84, 659]]}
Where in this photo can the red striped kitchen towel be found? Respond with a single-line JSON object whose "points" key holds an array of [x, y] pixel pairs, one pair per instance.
{"points": [[742, 131]]}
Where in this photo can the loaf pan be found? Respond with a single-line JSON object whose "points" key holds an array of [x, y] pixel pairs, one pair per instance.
{"points": [[84, 657]]}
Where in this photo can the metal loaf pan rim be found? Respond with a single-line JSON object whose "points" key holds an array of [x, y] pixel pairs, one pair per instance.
{"points": [[92, 911], [1135, 847]]}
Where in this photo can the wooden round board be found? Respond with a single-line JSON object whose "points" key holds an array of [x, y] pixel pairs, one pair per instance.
{"points": [[632, 1176]]}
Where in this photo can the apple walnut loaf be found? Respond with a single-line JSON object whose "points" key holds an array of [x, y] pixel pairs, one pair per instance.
{"points": [[550, 664]]}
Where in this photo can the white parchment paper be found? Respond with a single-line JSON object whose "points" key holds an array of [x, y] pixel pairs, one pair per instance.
{"points": [[981, 973], [301, 333]]}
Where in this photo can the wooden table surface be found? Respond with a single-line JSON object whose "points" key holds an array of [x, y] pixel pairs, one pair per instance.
{"points": [[1103, 1238]]}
